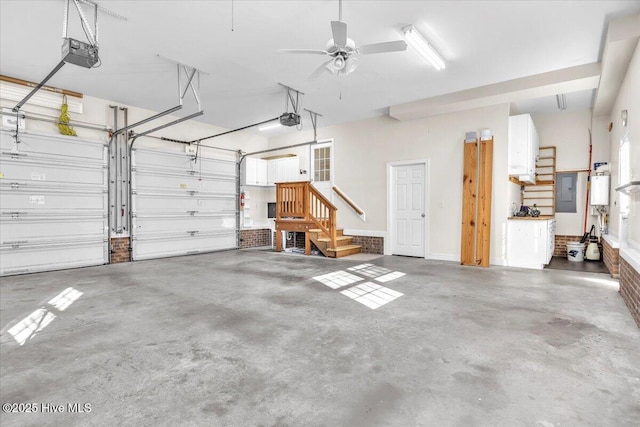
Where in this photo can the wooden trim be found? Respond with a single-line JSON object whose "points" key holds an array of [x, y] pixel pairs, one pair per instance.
{"points": [[467, 244], [483, 230], [47, 88], [348, 201], [571, 170]]}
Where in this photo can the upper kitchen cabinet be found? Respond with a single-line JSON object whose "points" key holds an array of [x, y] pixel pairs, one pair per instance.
{"points": [[262, 172], [254, 171], [523, 148], [285, 169]]}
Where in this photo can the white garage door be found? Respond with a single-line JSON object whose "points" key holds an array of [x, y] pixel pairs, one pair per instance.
{"points": [[53, 203], [181, 204]]}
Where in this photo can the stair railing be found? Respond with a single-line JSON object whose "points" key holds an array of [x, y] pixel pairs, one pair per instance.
{"points": [[302, 201], [351, 203]]}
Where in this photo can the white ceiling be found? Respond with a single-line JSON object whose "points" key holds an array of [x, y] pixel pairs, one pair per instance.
{"points": [[483, 42]]}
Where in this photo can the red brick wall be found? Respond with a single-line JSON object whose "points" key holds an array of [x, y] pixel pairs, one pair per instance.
{"points": [[561, 244], [630, 289], [370, 245], [611, 258], [120, 250], [255, 238]]}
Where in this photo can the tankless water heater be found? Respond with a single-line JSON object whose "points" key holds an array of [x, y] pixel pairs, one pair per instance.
{"points": [[599, 190]]}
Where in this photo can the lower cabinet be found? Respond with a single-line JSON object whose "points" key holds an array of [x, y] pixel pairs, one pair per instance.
{"points": [[530, 242]]}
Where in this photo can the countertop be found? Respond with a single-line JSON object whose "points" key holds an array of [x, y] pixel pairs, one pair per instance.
{"points": [[541, 217]]}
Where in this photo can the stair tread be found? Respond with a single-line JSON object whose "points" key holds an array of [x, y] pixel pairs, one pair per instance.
{"points": [[344, 248], [327, 239]]}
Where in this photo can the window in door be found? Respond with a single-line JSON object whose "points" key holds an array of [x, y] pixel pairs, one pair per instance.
{"points": [[566, 192], [322, 164]]}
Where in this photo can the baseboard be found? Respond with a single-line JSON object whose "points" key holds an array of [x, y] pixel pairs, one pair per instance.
{"points": [[364, 233], [498, 261], [443, 257]]}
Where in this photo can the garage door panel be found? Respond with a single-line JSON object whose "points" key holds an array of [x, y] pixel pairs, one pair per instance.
{"points": [[21, 226], [45, 199], [185, 183], [60, 148], [165, 161], [171, 245], [53, 202], [186, 223], [181, 204], [44, 169], [17, 258]]}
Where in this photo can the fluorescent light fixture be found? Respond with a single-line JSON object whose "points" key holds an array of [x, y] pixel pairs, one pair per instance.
{"points": [[415, 39], [561, 99], [267, 127]]}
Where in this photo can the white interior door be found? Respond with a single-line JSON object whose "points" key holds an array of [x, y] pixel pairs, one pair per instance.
{"points": [[408, 209], [322, 168]]}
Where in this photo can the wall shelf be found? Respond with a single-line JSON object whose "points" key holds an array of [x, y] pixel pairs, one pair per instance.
{"points": [[629, 188]]}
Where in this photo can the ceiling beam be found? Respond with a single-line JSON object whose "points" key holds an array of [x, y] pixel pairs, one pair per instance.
{"points": [[574, 79], [621, 41]]}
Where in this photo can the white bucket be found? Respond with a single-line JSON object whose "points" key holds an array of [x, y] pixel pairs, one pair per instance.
{"points": [[575, 251]]}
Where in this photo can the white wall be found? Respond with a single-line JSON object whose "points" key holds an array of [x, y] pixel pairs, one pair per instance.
{"points": [[628, 99], [97, 111], [363, 149], [569, 133]]}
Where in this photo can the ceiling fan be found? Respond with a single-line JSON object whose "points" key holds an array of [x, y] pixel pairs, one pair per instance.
{"points": [[343, 50]]}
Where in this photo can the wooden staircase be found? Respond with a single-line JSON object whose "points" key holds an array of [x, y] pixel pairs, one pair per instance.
{"points": [[344, 244], [301, 207]]}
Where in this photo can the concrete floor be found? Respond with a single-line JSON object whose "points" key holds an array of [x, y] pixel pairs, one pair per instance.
{"points": [[562, 263], [248, 338]]}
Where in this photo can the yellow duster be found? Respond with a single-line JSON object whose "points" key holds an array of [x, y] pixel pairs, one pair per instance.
{"points": [[63, 122]]}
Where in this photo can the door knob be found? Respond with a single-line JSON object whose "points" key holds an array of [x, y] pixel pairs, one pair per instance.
{"points": [[423, 215]]}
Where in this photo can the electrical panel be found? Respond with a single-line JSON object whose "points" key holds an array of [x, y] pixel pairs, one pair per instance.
{"points": [[79, 53]]}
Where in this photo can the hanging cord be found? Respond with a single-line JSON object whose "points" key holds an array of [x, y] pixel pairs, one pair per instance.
{"points": [[231, 15], [64, 118]]}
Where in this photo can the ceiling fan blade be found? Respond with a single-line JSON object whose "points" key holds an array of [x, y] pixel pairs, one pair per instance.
{"points": [[339, 30], [320, 70], [306, 51], [395, 46]]}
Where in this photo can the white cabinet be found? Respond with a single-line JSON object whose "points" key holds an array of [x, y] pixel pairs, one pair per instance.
{"points": [[268, 172], [286, 169], [523, 148], [254, 171], [530, 242]]}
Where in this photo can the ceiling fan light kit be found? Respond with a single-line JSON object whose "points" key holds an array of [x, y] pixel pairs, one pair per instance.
{"points": [[422, 46], [343, 52]]}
